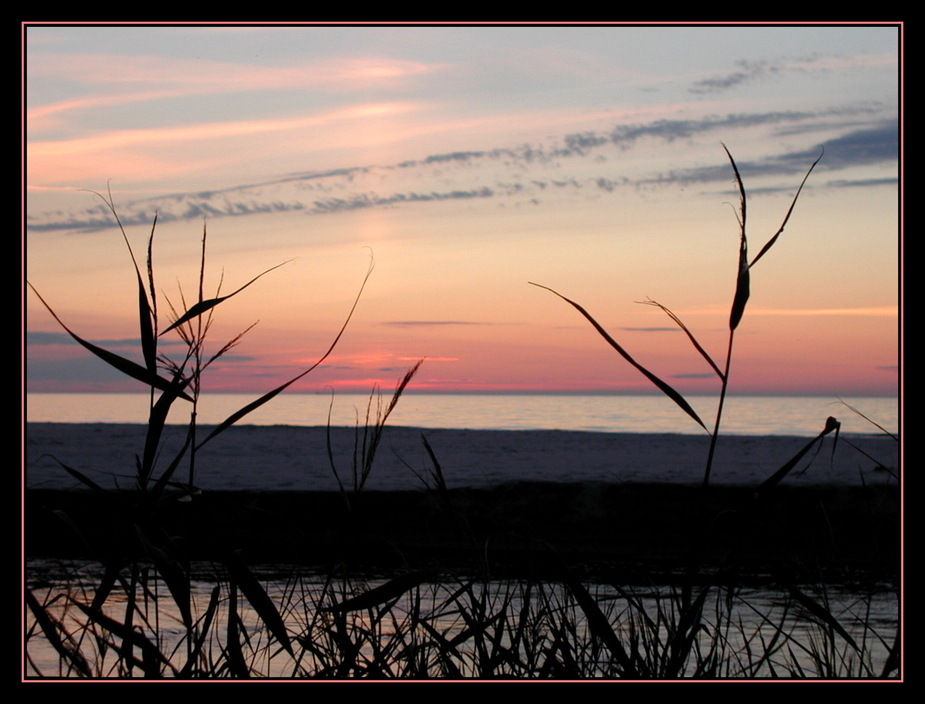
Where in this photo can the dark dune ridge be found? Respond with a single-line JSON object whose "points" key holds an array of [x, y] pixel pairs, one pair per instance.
{"points": [[631, 532], [519, 502]]}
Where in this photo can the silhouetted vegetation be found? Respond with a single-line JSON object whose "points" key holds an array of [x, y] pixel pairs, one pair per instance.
{"points": [[167, 589]]}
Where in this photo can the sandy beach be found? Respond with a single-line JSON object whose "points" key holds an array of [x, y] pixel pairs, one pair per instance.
{"points": [[295, 458]]}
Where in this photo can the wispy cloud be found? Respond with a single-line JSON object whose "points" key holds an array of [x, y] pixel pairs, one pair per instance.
{"points": [[870, 311], [748, 71], [39, 338], [432, 323], [84, 371], [876, 145], [878, 311], [366, 200], [52, 115], [753, 71], [160, 78], [428, 359], [868, 139], [121, 139]]}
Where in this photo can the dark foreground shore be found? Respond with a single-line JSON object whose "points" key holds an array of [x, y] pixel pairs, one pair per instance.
{"points": [[631, 532]]}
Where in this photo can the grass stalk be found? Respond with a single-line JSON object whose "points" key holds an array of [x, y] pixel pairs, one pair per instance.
{"points": [[737, 310], [368, 436]]}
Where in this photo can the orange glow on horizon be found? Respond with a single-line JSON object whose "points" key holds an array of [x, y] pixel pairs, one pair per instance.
{"points": [[465, 164]]}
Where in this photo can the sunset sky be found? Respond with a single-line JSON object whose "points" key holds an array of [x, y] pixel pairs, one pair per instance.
{"points": [[467, 162]]}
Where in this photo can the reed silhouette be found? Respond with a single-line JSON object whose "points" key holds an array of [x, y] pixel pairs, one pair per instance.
{"points": [[134, 611]]}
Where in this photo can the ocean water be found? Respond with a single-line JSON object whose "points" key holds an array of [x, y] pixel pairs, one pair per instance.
{"points": [[801, 416]]}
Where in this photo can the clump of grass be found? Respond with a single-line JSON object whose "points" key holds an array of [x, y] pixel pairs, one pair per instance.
{"points": [[742, 291], [136, 534], [421, 625], [184, 374], [737, 310], [368, 436]]}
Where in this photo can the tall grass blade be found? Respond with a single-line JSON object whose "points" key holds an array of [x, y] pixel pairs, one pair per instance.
{"points": [[375, 432], [171, 469], [665, 388], [446, 650], [152, 658], [742, 286], [231, 344], [79, 476], [129, 589], [110, 577], [146, 324], [201, 306], [204, 631], [173, 574], [437, 484], [598, 623], [149, 262], [876, 425], [830, 425], [822, 613], [329, 445], [157, 419], [146, 314], [683, 640], [53, 628], [771, 242], [892, 662], [742, 277], [245, 580], [235, 417], [234, 656], [690, 336], [126, 366], [437, 472], [393, 589]]}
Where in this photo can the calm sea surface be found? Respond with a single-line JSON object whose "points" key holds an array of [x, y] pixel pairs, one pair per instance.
{"points": [[743, 415]]}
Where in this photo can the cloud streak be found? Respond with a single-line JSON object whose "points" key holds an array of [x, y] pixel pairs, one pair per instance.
{"points": [[431, 323], [160, 77], [865, 312], [41, 339], [866, 139], [754, 71], [121, 139]]}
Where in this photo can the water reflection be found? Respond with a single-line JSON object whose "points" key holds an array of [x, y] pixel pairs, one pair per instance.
{"points": [[456, 628]]}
